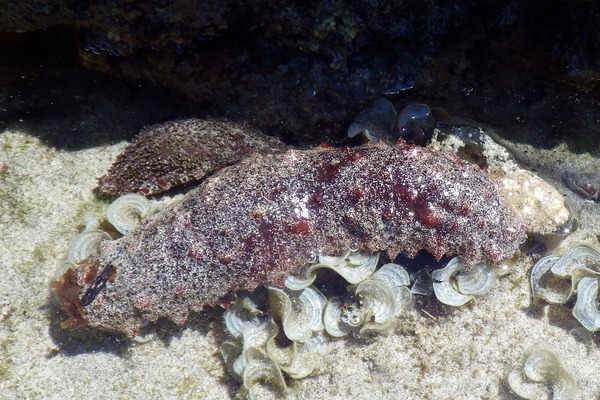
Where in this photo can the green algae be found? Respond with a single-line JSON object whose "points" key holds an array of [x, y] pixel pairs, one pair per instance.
{"points": [[5, 359], [14, 205], [186, 386], [93, 206]]}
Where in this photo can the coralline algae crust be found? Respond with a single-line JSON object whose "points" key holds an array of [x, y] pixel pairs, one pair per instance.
{"points": [[257, 222]]}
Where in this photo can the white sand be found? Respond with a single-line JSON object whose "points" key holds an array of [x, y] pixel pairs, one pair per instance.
{"points": [[465, 354]]}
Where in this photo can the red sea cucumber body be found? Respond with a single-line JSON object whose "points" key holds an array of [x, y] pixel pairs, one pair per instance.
{"points": [[256, 222]]}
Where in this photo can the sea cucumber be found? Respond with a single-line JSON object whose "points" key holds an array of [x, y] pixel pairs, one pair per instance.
{"points": [[258, 221]]}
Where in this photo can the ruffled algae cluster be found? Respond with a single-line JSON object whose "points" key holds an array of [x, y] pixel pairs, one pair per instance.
{"points": [[371, 301], [542, 368], [555, 279]]}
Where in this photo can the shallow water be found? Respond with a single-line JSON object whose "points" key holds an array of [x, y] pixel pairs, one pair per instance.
{"points": [[51, 153]]}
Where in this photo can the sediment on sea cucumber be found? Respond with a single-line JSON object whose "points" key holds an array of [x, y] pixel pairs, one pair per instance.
{"points": [[256, 222]]}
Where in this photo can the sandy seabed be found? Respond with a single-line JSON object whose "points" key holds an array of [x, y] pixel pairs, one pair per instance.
{"points": [[465, 353]]}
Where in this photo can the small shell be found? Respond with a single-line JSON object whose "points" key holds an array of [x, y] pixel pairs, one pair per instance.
{"points": [[586, 184], [586, 308], [300, 312], [126, 212], [415, 123]]}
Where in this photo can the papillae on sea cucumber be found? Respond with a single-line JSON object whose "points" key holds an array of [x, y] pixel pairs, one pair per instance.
{"points": [[258, 221]]}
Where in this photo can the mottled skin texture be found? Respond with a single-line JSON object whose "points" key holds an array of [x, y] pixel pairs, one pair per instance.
{"points": [[256, 222], [173, 153]]}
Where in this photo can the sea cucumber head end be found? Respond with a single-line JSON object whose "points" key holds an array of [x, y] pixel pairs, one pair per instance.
{"points": [[67, 289]]}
